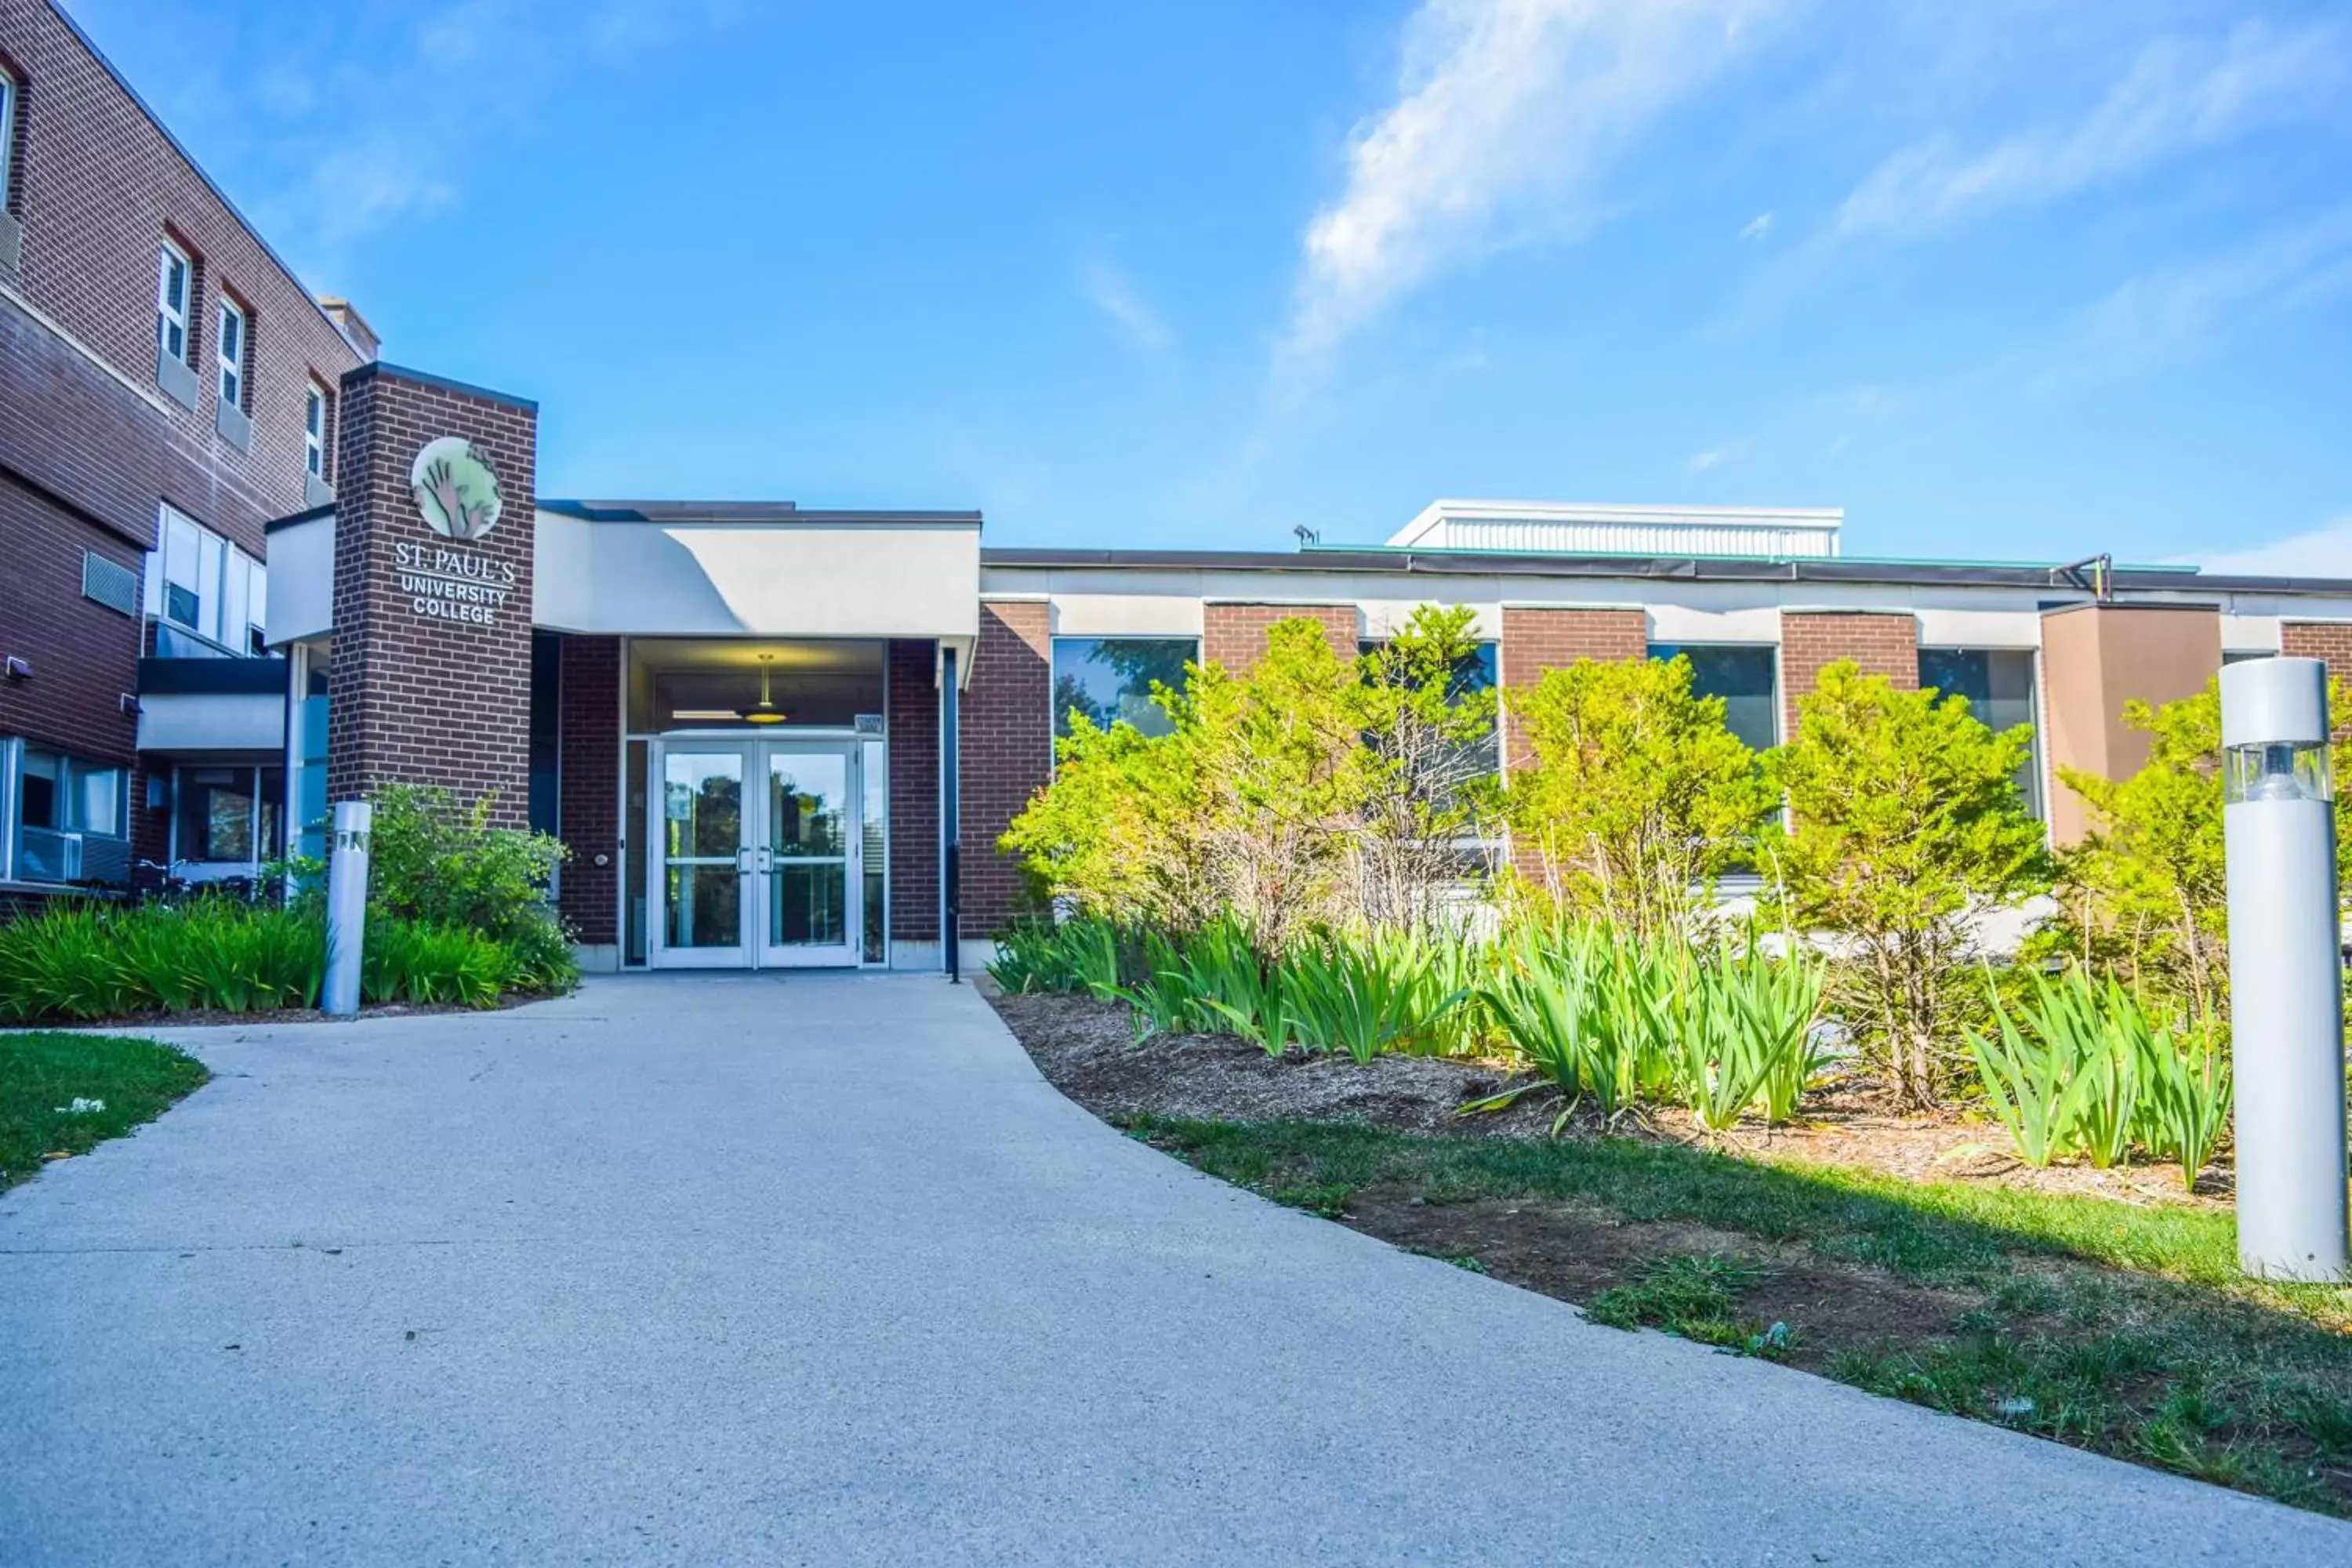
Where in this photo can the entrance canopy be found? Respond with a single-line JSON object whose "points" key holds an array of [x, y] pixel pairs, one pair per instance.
{"points": [[688, 569]]}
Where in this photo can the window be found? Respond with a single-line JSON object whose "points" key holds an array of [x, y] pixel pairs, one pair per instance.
{"points": [[7, 135], [1747, 677], [1474, 672], [314, 430], [232, 353], [172, 279], [199, 584], [1999, 685], [1109, 680], [58, 801]]}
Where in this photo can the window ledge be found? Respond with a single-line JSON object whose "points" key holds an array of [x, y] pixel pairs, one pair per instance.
{"points": [[178, 381], [316, 491], [235, 426], [12, 243]]}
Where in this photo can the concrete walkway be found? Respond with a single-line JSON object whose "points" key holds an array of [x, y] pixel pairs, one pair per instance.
{"points": [[713, 1269]]}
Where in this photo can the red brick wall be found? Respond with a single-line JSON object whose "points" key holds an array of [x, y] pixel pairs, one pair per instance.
{"points": [[1007, 752], [588, 804], [1881, 642], [2330, 641], [98, 186], [413, 699], [914, 699], [1234, 636], [84, 656], [1535, 640]]}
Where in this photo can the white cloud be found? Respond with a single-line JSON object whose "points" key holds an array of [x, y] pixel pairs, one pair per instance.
{"points": [[2161, 315], [1500, 103], [1112, 292], [1757, 227], [2178, 94], [1715, 457], [2323, 552]]}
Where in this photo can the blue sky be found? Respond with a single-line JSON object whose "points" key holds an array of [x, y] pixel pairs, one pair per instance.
{"points": [[2017, 279]]}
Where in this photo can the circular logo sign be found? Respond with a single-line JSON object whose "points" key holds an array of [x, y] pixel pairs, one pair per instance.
{"points": [[455, 490]]}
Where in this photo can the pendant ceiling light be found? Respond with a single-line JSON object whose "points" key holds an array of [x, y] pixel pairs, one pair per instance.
{"points": [[766, 712]]}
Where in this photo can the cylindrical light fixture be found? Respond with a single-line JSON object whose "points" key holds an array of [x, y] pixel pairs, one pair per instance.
{"points": [[2287, 991]]}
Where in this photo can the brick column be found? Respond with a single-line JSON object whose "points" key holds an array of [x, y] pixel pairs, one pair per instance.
{"points": [[1882, 642], [2330, 642], [588, 786], [1536, 639], [1235, 634], [914, 735], [431, 680], [1007, 754]]}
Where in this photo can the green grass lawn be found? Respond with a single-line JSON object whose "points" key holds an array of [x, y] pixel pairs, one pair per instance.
{"points": [[42, 1075], [2122, 1329]]}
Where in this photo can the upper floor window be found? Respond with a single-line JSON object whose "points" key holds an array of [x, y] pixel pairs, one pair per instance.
{"points": [[174, 278], [200, 584], [314, 430], [8, 90], [231, 348]]}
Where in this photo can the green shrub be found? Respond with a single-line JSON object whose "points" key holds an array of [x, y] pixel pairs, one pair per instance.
{"points": [[434, 860], [76, 961], [2079, 1067], [83, 961]]}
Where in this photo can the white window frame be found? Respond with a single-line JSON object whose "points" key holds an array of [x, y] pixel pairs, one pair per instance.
{"points": [[237, 585], [10, 90], [314, 430], [170, 318], [229, 383]]}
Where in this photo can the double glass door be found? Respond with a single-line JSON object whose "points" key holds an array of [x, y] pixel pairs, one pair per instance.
{"points": [[759, 848]]}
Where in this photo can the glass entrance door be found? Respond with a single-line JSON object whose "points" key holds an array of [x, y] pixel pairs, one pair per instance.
{"points": [[807, 859], [760, 845], [701, 823]]}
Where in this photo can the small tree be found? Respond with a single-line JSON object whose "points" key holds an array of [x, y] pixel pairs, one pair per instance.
{"points": [[2145, 894], [1429, 730], [1639, 796], [1905, 829]]}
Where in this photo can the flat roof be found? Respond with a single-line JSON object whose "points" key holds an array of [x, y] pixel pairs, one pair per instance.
{"points": [[665, 512], [1410, 562]]}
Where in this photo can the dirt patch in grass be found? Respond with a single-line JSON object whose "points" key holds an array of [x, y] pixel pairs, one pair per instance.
{"points": [[1576, 1252], [1087, 1049]]}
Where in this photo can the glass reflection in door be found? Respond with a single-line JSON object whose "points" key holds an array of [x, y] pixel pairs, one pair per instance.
{"points": [[808, 845], [703, 833]]}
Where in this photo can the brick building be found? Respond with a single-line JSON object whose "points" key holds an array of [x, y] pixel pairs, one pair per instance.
{"points": [[252, 568]]}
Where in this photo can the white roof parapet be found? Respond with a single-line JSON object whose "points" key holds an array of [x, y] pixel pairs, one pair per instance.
{"points": [[1569, 527]]}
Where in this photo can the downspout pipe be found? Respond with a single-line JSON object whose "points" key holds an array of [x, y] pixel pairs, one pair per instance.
{"points": [[951, 817]]}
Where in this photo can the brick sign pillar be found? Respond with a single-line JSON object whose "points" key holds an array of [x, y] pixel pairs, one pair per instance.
{"points": [[431, 677]]}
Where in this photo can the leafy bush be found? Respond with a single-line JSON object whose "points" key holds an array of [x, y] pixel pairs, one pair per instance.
{"points": [[1313, 789], [436, 860], [1639, 796], [2144, 895], [1906, 828], [2082, 1069]]}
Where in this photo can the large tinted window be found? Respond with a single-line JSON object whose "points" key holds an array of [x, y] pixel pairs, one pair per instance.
{"points": [[1109, 680], [1999, 685], [1746, 676]]}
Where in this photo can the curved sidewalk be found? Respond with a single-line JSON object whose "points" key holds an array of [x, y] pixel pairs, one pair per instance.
{"points": [[818, 1269]]}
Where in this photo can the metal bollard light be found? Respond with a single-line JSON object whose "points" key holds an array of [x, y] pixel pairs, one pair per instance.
{"points": [[347, 884], [2287, 997]]}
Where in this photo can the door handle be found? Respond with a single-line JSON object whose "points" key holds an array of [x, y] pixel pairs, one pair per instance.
{"points": [[743, 861]]}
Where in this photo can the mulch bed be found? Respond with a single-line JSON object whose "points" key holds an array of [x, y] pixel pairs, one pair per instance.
{"points": [[1086, 1049]]}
